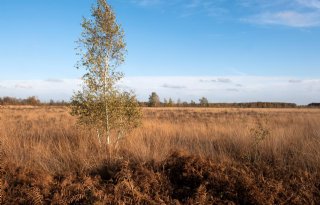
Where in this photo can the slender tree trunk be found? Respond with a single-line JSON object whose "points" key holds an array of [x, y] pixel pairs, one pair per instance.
{"points": [[99, 137], [106, 102]]}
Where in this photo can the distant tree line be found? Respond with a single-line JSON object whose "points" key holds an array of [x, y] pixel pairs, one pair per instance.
{"points": [[17, 101], [33, 100], [314, 105], [154, 101]]}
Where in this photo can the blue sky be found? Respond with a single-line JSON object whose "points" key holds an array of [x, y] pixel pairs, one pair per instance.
{"points": [[170, 38]]}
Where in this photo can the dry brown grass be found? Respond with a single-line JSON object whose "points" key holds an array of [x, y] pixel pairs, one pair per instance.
{"points": [[241, 156], [282, 136]]}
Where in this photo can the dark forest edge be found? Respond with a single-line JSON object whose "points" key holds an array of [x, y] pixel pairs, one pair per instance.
{"points": [[34, 101]]}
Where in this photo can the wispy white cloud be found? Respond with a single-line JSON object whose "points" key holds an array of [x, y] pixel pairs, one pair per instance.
{"points": [[147, 2], [238, 88], [224, 80], [265, 4], [173, 86], [310, 3], [186, 8], [217, 80], [208, 7], [232, 90], [286, 18], [22, 86], [295, 81], [290, 13], [43, 89], [54, 80]]}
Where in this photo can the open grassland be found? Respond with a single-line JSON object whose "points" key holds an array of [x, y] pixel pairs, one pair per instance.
{"points": [[177, 156]]}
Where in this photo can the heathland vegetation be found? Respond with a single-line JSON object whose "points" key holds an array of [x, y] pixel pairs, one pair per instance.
{"points": [[105, 147], [177, 156]]}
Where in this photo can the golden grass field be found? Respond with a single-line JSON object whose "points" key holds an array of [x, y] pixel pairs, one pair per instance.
{"points": [[177, 156]]}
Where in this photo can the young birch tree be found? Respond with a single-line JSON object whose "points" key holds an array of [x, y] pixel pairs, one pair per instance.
{"points": [[100, 104]]}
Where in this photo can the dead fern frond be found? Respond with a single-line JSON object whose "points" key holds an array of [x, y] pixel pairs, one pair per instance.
{"points": [[201, 195], [76, 198], [1, 192], [35, 196]]}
